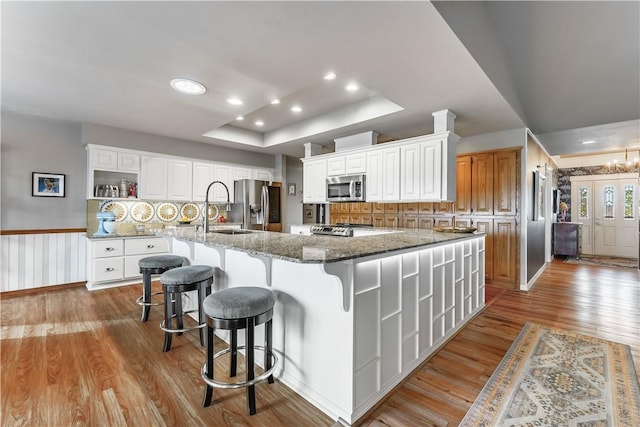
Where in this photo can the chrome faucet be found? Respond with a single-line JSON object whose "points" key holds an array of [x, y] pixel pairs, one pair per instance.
{"points": [[205, 213]]}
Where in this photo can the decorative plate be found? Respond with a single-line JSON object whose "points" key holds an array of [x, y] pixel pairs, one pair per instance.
{"points": [[167, 212], [117, 208], [190, 211], [213, 212], [142, 211]]}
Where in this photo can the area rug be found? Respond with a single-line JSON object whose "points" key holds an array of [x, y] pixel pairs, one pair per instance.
{"points": [[608, 261], [553, 377]]}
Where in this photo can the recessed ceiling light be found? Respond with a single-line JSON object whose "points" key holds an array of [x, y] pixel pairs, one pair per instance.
{"points": [[276, 101], [589, 142], [296, 108], [330, 76], [235, 101], [188, 86], [259, 123], [352, 87], [239, 118]]}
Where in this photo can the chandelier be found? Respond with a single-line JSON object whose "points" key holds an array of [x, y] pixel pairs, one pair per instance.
{"points": [[626, 166]]}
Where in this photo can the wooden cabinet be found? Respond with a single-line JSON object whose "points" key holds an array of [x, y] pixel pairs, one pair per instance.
{"points": [[108, 167], [314, 177], [482, 184], [263, 175], [505, 250], [505, 166], [487, 196]]}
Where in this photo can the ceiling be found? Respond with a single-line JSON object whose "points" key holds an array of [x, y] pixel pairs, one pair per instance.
{"points": [[567, 70]]}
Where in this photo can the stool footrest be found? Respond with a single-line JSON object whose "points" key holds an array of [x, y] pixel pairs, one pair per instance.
{"points": [[140, 302], [262, 377], [163, 325]]}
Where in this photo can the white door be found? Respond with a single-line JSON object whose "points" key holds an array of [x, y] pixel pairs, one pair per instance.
{"points": [[615, 214]]}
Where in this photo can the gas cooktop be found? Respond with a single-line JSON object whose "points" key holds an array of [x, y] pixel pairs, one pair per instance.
{"points": [[339, 229]]}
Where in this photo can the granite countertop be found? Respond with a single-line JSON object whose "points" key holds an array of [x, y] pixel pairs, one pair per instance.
{"points": [[90, 236], [317, 249]]}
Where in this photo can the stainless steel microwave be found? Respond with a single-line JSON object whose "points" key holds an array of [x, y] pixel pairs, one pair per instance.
{"points": [[346, 188]]}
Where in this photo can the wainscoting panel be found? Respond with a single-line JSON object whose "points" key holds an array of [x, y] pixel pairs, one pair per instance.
{"points": [[36, 260]]}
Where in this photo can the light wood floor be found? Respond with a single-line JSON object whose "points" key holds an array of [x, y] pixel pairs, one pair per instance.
{"points": [[74, 357]]}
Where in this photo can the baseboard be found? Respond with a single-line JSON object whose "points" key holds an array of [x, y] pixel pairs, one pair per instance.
{"points": [[39, 290]]}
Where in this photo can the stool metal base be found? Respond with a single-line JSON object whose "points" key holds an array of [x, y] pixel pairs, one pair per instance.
{"points": [[140, 301], [164, 327], [218, 384]]}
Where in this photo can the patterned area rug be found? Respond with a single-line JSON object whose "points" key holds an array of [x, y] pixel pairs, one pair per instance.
{"points": [[609, 261], [553, 377]]}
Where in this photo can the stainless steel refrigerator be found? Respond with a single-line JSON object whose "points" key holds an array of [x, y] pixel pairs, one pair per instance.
{"points": [[257, 205]]}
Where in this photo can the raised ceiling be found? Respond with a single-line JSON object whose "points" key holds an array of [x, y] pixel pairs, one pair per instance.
{"points": [[497, 65]]}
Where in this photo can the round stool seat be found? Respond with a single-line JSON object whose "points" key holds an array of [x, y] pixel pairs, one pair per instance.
{"points": [[187, 274], [238, 303], [160, 261]]}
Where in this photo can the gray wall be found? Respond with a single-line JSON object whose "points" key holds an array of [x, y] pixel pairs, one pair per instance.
{"points": [[41, 145], [536, 230], [292, 204], [34, 144], [123, 138]]}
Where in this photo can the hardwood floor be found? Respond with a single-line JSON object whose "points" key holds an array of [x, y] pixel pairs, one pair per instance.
{"points": [[76, 357]]}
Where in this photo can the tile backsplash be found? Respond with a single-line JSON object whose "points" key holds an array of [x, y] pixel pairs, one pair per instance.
{"points": [[153, 214]]}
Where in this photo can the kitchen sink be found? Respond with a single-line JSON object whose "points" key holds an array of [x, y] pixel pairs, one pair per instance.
{"points": [[232, 231]]}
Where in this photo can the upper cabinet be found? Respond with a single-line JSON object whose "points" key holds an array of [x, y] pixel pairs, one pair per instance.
{"points": [[161, 177], [314, 181], [109, 167], [180, 179], [487, 183], [415, 169], [153, 178]]}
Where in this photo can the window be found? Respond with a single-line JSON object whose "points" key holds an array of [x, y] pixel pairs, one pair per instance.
{"points": [[583, 193], [628, 200], [608, 205]]}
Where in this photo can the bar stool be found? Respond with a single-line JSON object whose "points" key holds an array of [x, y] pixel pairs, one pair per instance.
{"points": [[174, 283], [233, 309], [150, 265]]}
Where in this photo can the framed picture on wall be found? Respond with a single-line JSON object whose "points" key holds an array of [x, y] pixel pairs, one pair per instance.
{"points": [[47, 184], [538, 196]]}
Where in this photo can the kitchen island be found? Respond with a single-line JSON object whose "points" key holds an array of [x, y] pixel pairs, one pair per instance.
{"points": [[354, 316]]}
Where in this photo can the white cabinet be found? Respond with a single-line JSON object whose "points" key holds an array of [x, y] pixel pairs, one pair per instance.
{"points": [[180, 179], [136, 249], [153, 178], [355, 163], [314, 181], [203, 175], [383, 175], [108, 167], [114, 262], [301, 229], [241, 173], [421, 171], [431, 162], [263, 175], [336, 165], [225, 174]]}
